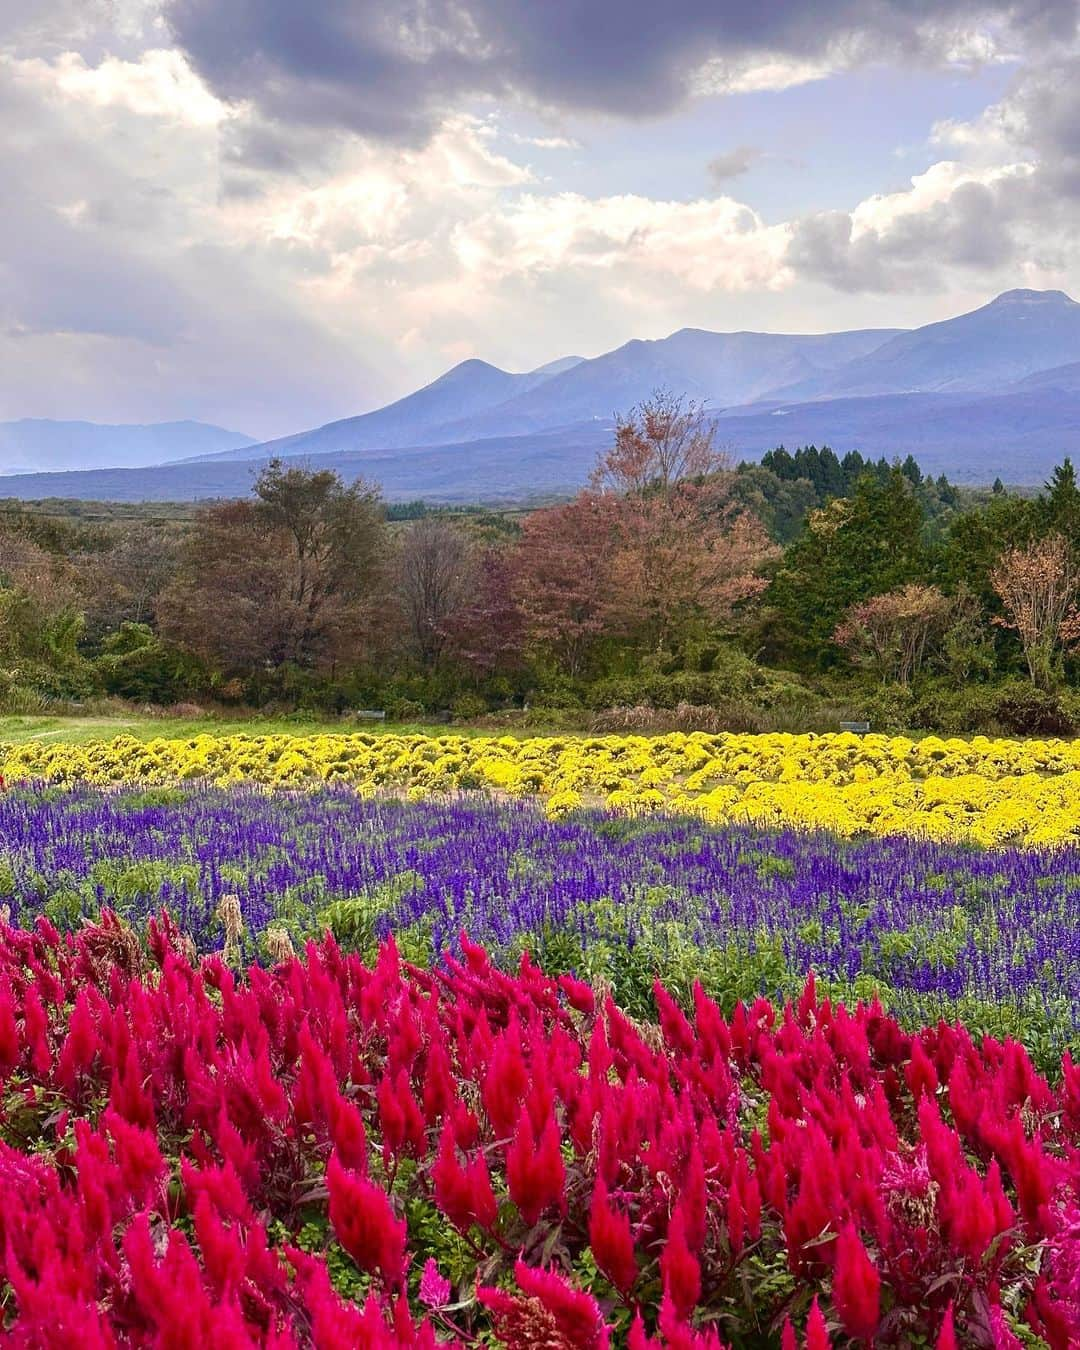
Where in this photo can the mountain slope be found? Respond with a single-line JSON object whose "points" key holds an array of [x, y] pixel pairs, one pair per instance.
{"points": [[1065, 378], [40, 443], [469, 388], [475, 400], [719, 368], [995, 391], [1017, 436], [1015, 335], [499, 469]]}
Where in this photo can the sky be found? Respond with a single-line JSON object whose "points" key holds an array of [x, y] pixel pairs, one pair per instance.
{"points": [[269, 215]]}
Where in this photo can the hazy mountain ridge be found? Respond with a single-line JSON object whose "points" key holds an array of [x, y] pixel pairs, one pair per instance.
{"points": [[38, 443], [1065, 377], [719, 368], [986, 351], [476, 400]]}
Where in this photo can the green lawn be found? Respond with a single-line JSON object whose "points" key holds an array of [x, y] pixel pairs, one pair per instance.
{"points": [[79, 730]]}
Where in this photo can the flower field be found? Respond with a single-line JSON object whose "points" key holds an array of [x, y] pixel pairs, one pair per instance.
{"points": [[983, 791], [314, 1042], [331, 1154], [934, 929]]}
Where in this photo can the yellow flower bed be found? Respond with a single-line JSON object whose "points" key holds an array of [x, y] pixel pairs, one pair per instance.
{"points": [[983, 790]]}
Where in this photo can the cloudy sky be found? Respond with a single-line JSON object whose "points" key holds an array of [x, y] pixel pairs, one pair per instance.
{"points": [[270, 214]]}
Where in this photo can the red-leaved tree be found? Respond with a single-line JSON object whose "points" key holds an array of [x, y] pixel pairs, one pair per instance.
{"points": [[563, 576]]}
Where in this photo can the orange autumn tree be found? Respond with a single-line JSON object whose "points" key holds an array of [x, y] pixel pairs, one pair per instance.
{"points": [[1038, 587], [663, 442], [685, 552], [653, 551]]}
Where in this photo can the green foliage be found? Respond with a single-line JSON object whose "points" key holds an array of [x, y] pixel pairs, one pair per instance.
{"points": [[468, 706], [1020, 708], [856, 547], [67, 909], [1060, 508], [125, 885], [77, 607], [355, 922], [136, 663], [786, 487], [977, 539]]}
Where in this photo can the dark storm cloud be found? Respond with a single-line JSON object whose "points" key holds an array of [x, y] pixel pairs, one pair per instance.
{"points": [[391, 67]]}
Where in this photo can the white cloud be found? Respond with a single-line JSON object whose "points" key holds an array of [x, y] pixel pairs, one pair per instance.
{"points": [[1002, 207], [884, 213], [160, 84], [757, 75], [546, 142], [706, 244]]}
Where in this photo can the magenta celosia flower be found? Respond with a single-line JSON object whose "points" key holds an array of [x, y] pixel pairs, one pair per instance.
{"points": [[434, 1288], [680, 1269], [817, 1331], [947, 1335], [365, 1224], [856, 1285], [535, 1171], [612, 1242]]}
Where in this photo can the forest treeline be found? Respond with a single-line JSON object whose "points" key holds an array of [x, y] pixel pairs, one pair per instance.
{"points": [[677, 589]]}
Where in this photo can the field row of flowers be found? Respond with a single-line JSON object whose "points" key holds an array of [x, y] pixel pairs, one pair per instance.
{"points": [[326, 1153], [933, 929], [985, 791]]}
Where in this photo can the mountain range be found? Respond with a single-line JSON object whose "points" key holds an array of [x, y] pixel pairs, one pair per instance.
{"points": [[991, 393]]}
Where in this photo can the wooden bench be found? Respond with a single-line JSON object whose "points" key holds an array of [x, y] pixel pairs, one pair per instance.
{"points": [[370, 715], [859, 728]]}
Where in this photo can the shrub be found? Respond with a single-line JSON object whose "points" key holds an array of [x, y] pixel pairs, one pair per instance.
{"points": [[1026, 710], [404, 710], [467, 706]]}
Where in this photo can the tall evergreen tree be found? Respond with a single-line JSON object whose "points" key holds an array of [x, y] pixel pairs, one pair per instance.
{"points": [[1061, 508]]}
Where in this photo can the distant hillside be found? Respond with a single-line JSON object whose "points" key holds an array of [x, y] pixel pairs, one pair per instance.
{"points": [[972, 439], [993, 392], [41, 444], [496, 470], [990, 351]]}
